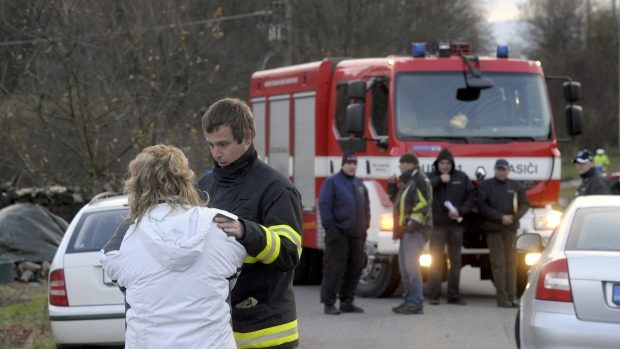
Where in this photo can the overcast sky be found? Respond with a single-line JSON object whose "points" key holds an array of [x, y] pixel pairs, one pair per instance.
{"points": [[502, 10]]}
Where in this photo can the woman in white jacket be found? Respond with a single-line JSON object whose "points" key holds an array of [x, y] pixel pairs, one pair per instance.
{"points": [[174, 261]]}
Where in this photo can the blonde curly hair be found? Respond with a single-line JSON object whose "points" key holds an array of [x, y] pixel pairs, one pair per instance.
{"points": [[160, 174]]}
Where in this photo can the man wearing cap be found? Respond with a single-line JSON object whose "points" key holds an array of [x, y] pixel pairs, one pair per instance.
{"points": [[453, 197], [502, 203], [592, 183], [413, 223], [345, 216]]}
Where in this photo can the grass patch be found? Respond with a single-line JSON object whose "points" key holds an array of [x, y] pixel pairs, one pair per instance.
{"points": [[24, 321]]}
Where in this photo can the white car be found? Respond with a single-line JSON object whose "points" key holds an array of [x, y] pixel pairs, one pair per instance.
{"points": [[573, 295], [85, 307]]}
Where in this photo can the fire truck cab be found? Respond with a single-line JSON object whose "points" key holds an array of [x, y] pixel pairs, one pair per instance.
{"points": [[480, 108]]}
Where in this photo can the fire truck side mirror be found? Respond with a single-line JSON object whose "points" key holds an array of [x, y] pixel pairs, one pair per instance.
{"points": [[467, 94], [573, 119], [357, 89], [572, 91], [479, 82], [355, 119]]}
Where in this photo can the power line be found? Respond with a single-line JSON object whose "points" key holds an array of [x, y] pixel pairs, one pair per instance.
{"points": [[262, 13]]}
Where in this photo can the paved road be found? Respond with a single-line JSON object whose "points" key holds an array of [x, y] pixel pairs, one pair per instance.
{"points": [[479, 324]]}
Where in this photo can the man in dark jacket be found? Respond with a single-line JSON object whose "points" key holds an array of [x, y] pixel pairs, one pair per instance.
{"points": [[413, 223], [345, 216], [453, 197], [592, 182], [502, 203], [269, 227]]}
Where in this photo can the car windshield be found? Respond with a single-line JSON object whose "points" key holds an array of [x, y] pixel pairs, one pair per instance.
{"points": [[595, 228], [516, 107], [95, 229]]}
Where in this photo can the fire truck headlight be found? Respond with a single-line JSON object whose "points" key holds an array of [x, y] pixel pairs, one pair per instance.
{"points": [[426, 260], [532, 258], [387, 222], [548, 221]]}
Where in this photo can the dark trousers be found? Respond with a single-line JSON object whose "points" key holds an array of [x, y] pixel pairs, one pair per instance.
{"points": [[503, 257], [452, 235], [343, 260]]}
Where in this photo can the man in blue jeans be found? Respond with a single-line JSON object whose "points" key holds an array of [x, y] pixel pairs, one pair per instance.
{"points": [[413, 223]]}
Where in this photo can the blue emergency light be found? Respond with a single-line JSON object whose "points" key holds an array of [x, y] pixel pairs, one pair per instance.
{"points": [[418, 49], [502, 51]]}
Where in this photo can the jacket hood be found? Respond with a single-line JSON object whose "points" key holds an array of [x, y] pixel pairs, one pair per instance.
{"points": [[174, 236], [444, 154]]}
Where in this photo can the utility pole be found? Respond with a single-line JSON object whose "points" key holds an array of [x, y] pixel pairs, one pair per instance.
{"points": [[614, 8], [279, 33]]}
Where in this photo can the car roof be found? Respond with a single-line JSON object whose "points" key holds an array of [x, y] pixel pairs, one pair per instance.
{"points": [[117, 201], [597, 201]]}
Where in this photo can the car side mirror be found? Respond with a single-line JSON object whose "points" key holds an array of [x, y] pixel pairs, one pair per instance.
{"points": [[529, 242]]}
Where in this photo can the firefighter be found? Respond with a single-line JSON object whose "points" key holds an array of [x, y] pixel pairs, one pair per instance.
{"points": [[453, 197], [592, 183], [345, 215], [502, 204], [269, 227], [413, 223]]}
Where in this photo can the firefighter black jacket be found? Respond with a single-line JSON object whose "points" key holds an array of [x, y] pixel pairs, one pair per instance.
{"points": [[269, 207]]}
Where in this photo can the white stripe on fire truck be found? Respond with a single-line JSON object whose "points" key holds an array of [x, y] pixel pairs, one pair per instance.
{"points": [[382, 167]]}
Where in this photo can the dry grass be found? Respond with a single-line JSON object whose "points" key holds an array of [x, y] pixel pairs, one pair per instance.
{"points": [[24, 321]]}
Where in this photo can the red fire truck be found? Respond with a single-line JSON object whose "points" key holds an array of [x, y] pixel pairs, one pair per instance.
{"points": [[480, 108]]}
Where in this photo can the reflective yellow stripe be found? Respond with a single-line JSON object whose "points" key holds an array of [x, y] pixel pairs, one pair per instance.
{"points": [[401, 207], [268, 337], [272, 247], [416, 215], [272, 243], [289, 233]]}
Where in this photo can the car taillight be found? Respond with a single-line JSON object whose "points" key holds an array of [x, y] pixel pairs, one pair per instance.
{"points": [[57, 289], [553, 283]]}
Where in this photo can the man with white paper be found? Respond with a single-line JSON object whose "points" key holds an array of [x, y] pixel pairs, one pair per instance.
{"points": [[453, 195]]}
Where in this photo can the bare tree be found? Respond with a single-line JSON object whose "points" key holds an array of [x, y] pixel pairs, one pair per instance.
{"points": [[579, 38], [366, 28]]}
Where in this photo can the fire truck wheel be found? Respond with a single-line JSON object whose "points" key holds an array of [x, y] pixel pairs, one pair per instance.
{"points": [[380, 277], [518, 329], [309, 271], [522, 274], [301, 271]]}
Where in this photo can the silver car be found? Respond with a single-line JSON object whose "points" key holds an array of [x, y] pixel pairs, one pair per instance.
{"points": [[85, 307], [572, 299]]}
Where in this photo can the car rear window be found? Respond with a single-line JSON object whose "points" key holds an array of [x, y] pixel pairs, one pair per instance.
{"points": [[595, 228], [95, 229]]}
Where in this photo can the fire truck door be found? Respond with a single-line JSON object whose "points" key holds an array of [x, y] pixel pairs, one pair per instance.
{"points": [[304, 148], [279, 121]]}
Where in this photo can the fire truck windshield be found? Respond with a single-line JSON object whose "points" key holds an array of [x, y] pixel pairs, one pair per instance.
{"points": [[516, 107]]}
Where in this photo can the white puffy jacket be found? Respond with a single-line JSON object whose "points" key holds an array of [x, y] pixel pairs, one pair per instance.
{"points": [[175, 266]]}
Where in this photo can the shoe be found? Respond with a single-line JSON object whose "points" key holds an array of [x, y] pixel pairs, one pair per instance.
{"points": [[349, 307], [397, 308], [457, 301], [408, 309], [330, 309], [506, 304], [433, 301]]}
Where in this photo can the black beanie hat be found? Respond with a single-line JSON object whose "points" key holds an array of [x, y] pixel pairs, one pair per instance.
{"points": [[410, 158]]}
